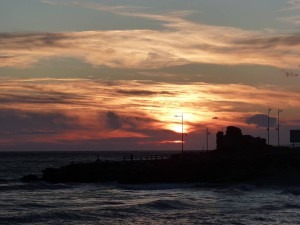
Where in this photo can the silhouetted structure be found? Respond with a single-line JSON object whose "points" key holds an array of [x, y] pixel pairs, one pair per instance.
{"points": [[280, 166], [294, 137], [234, 140]]}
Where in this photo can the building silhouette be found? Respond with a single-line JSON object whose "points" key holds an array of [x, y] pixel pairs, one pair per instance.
{"points": [[234, 140]]}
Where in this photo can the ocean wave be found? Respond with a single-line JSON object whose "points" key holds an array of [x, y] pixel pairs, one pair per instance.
{"points": [[291, 206], [48, 217], [165, 205], [292, 191], [161, 186], [229, 191], [245, 187], [112, 203], [235, 190]]}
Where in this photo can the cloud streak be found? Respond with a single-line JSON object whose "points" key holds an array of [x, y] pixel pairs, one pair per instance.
{"points": [[260, 120], [181, 42], [294, 4]]}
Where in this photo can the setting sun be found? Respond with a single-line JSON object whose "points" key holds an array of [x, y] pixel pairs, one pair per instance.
{"points": [[177, 128], [180, 122]]}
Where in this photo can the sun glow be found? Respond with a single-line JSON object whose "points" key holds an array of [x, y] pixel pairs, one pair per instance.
{"points": [[178, 128], [180, 122], [171, 142]]}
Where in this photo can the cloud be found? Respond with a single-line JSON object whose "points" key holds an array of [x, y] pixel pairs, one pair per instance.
{"points": [[90, 5], [152, 48], [113, 120], [6, 56], [142, 92], [16, 122], [120, 97], [36, 40], [295, 20], [29, 132], [261, 120], [97, 111], [272, 42], [291, 5], [27, 93], [295, 4]]}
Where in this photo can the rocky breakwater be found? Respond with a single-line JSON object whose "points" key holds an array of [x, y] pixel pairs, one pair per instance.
{"points": [[238, 158], [273, 166]]}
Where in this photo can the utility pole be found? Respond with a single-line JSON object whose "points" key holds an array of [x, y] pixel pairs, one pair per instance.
{"points": [[278, 125], [268, 129]]}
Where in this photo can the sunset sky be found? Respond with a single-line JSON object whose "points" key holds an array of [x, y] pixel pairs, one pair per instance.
{"points": [[113, 75]]}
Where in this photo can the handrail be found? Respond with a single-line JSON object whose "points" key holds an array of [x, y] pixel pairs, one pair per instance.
{"points": [[146, 157]]}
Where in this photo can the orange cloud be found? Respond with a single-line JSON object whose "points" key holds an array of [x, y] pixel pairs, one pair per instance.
{"points": [[65, 110]]}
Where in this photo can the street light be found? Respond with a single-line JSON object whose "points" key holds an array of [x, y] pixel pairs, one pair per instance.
{"points": [[268, 129], [181, 131], [207, 133]]}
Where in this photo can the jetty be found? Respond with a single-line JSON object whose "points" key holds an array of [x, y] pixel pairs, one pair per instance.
{"points": [[238, 158]]}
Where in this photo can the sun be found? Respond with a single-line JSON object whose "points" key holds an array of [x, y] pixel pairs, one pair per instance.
{"points": [[178, 128], [175, 124]]}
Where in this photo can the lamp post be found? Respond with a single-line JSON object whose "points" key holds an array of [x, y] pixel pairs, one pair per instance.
{"points": [[278, 125], [268, 129], [181, 131], [207, 133]]}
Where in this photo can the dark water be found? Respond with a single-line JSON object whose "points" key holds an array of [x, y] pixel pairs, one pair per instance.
{"points": [[44, 203]]}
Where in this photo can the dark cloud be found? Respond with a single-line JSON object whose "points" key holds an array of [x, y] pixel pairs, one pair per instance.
{"points": [[6, 56], [142, 92], [23, 122], [30, 40], [159, 134], [234, 106], [134, 122], [34, 94], [270, 42], [38, 99], [261, 120], [113, 120], [215, 118], [130, 123], [28, 132]]}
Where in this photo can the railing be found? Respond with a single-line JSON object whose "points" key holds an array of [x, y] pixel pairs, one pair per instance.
{"points": [[146, 157]]}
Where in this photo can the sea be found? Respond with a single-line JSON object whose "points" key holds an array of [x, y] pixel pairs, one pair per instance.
{"points": [[42, 203]]}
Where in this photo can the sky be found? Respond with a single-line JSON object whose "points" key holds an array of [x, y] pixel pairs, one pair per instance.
{"points": [[99, 75]]}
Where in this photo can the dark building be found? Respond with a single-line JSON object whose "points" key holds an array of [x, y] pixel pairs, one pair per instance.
{"points": [[234, 140]]}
